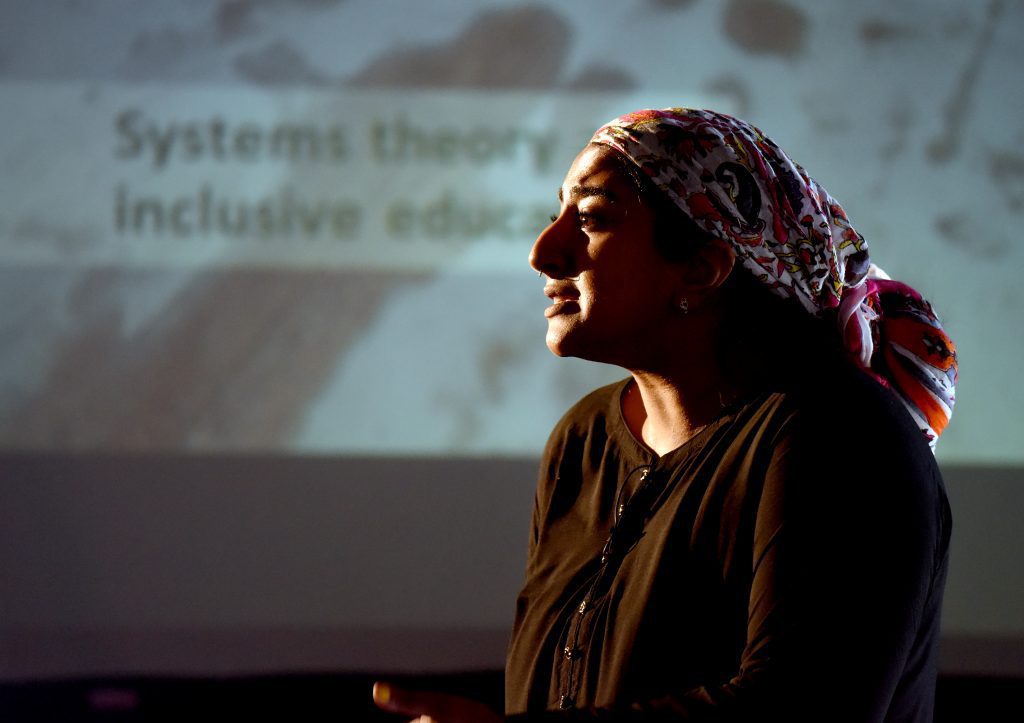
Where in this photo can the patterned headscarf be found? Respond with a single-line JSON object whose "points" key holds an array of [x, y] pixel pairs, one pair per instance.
{"points": [[738, 185]]}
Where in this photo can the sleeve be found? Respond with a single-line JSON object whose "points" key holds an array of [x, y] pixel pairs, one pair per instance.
{"points": [[845, 560]]}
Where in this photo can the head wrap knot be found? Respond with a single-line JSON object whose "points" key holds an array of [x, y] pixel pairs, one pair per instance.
{"points": [[739, 186]]}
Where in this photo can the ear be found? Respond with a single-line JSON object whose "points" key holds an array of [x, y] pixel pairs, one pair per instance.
{"points": [[708, 268]]}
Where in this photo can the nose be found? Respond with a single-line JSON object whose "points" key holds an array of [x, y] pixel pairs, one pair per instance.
{"points": [[552, 252]]}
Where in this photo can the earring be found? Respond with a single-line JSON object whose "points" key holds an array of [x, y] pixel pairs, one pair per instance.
{"points": [[684, 305], [540, 274]]}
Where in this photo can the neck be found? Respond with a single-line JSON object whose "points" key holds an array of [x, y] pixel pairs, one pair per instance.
{"points": [[663, 415], [667, 406]]}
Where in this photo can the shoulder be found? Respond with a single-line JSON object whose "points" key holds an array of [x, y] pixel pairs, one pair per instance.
{"points": [[583, 431], [841, 441], [856, 455], [848, 414], [593, 413]]}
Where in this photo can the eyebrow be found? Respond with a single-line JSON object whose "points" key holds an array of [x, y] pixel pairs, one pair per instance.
{"points": [[588, 191]]}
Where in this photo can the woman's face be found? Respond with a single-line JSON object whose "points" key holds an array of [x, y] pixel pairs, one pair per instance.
{"points": [[611, 290]]}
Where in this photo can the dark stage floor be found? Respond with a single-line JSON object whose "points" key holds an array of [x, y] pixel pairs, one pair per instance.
{"points": [[346, 698]]}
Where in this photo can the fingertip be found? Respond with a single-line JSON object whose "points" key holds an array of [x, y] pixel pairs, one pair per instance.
{"points": [[382, 694]]}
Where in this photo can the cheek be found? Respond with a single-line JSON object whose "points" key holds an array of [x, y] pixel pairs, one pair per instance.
{"points": [[628, 294]]}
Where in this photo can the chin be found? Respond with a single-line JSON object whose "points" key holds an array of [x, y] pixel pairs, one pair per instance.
{"points": [[559, 344], [569, 345], [556, 345]]}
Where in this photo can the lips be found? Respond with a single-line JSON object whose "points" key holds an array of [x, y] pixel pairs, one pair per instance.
{"points": [[564, 298]]}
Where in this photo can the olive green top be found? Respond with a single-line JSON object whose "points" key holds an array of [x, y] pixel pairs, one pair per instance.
{"points": [[777, 563]]}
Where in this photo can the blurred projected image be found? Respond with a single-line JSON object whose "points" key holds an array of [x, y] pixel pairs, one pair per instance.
{"points": [[259, 226]]}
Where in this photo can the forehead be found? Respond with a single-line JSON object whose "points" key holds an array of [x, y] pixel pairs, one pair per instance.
{"points": [[596, 171]]}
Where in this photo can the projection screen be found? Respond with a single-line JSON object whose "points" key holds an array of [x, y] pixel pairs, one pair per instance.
{"points": [[273, 381]]}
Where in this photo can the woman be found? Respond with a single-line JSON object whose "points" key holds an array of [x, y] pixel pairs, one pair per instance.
{"points": [[751, 526]]}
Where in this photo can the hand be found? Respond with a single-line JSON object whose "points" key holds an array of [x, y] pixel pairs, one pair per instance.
{"points": [[431, 707]]}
